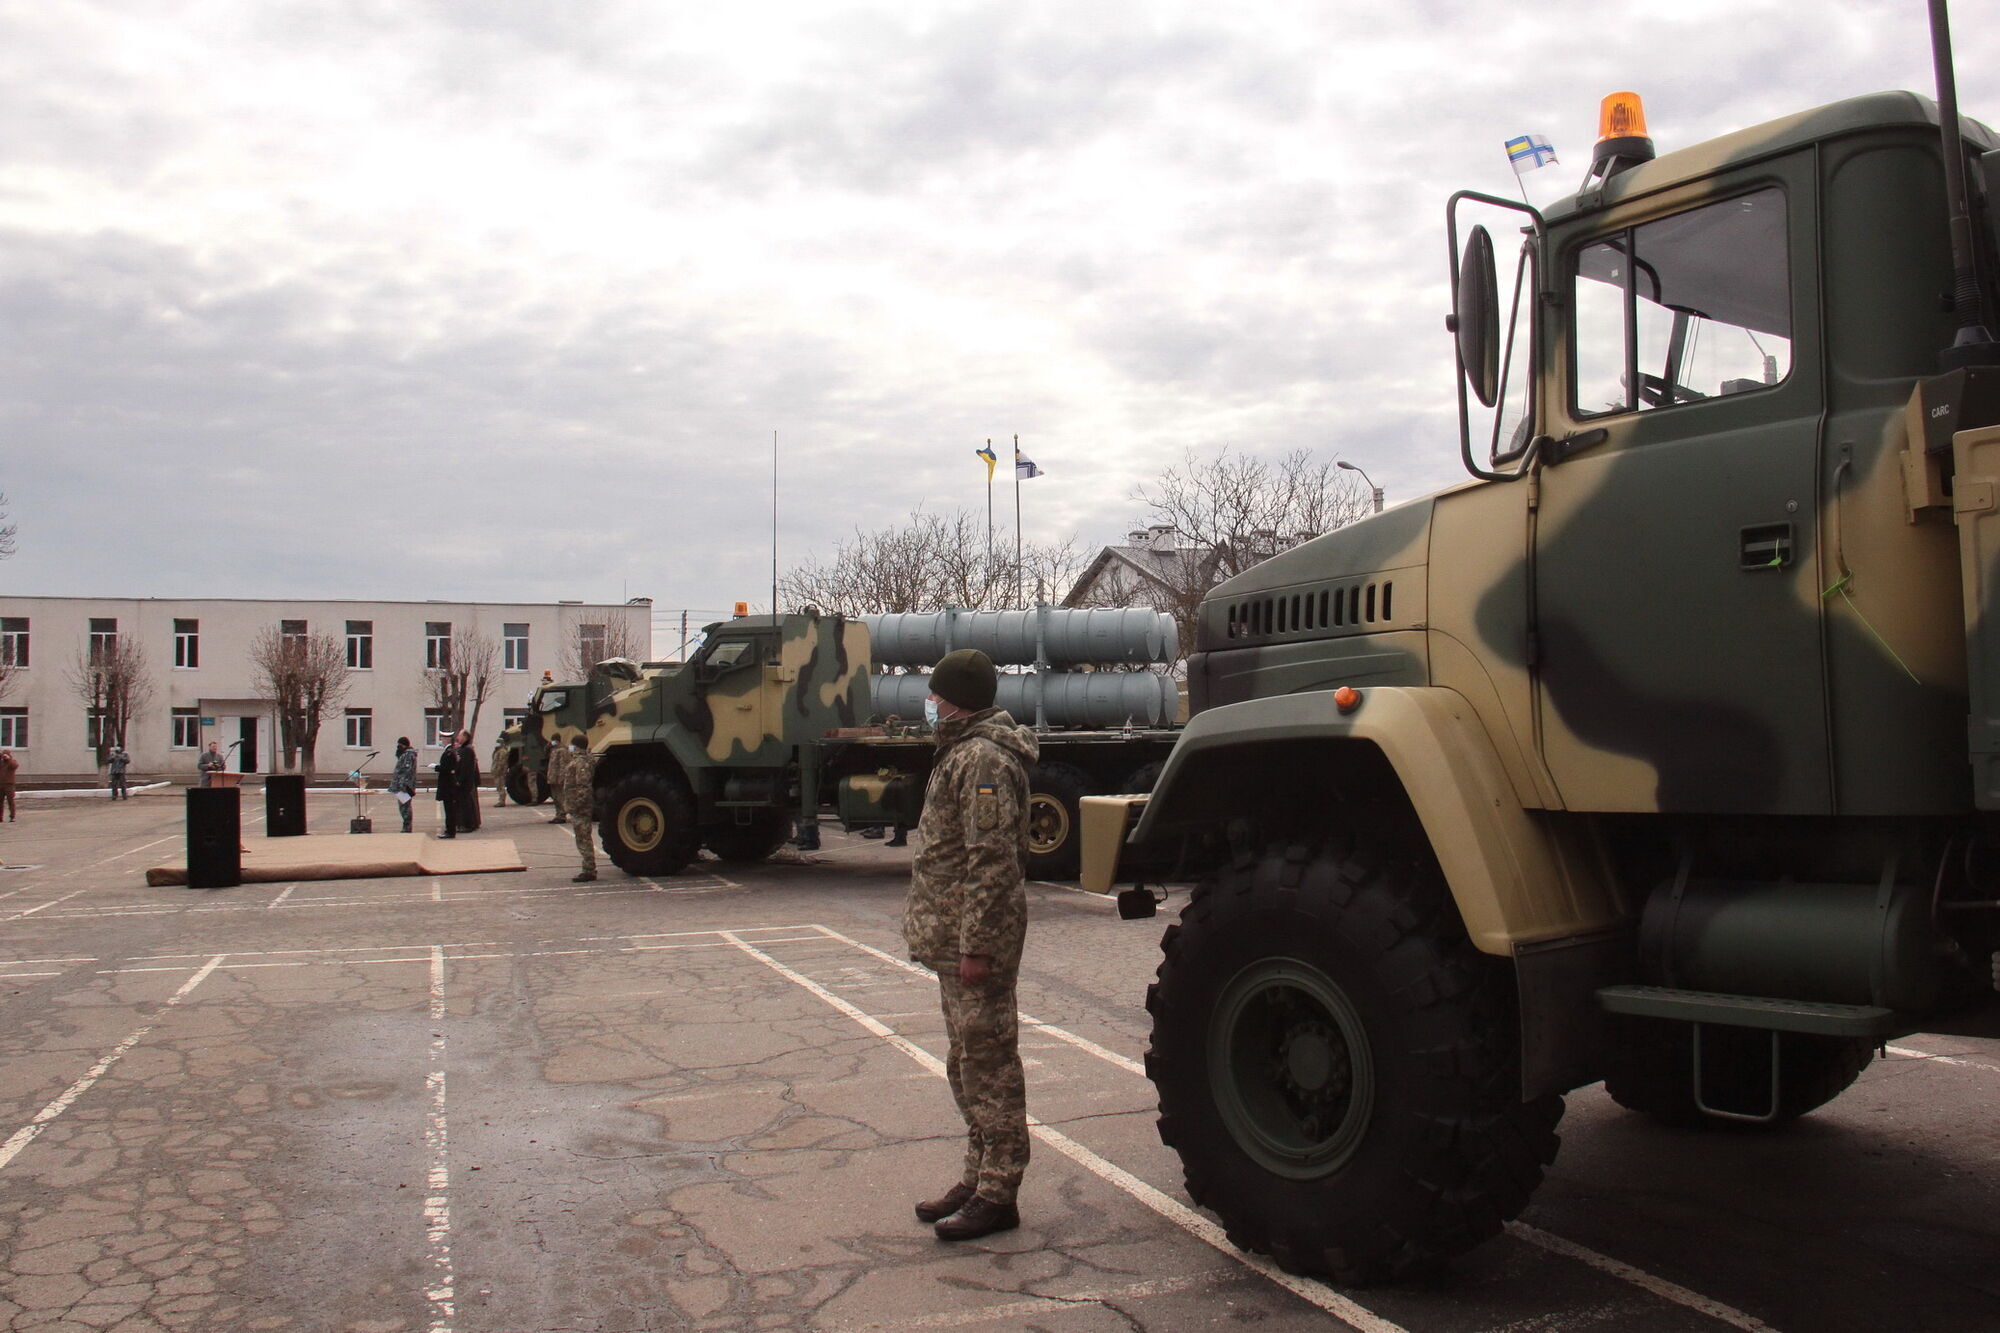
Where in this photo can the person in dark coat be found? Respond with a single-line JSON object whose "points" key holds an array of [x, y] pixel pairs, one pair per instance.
{"points": [[458, 786]]}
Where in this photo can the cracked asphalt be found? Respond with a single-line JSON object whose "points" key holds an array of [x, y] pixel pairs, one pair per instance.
{"points": [[507, 1102]]}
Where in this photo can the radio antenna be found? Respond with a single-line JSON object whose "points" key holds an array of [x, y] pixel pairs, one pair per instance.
{"points": [[774, 524]]}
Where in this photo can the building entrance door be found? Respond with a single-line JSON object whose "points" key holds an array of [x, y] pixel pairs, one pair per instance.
{"points": [[246, 728]]}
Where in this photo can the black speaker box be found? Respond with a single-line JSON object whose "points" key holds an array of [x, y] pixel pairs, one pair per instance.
{"points": [[285, 805], [214, 837]]}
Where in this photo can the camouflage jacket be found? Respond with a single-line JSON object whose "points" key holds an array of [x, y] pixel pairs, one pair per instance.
{"points": [[579, 778], [965, 884], [558, 769]]}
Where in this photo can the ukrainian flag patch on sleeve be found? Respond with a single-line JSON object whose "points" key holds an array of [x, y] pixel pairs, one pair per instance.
{"points": [[986, 805]]}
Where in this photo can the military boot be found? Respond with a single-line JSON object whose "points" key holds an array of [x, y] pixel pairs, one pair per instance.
{"points": [[979, 1217], [938, 1209]]}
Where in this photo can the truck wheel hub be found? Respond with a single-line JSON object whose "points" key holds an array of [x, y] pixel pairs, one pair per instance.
{"points": [[1290, 1067]]}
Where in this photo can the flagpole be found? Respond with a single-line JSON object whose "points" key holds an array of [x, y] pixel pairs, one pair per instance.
{"points": [[1017, 524], [989, 506]]}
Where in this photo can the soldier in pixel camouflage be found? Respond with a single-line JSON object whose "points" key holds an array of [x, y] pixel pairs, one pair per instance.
{"points": [[579, 777], [966, 920], [558, 779]]}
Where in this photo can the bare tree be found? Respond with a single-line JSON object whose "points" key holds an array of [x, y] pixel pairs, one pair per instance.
{"points": [[112, 678], [466, 676], [7, 530], [1229, 512], [928, 563], [585, 645], [306, 676]]}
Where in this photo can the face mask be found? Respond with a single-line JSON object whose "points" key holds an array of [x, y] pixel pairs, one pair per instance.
{"points": [[931, 712]]}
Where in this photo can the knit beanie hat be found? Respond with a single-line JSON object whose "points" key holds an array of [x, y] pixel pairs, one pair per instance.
{"points": [[965, 678]]}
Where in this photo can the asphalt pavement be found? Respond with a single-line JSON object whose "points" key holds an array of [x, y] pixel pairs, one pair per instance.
{"points": [[707, 1101]]}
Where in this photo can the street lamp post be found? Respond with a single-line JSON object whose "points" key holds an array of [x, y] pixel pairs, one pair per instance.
{"points": [[1365, 477]]}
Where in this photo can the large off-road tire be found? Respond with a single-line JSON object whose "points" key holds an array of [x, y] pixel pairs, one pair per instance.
{"points": [[1338, 1067], [526, 787], [1652, 1072], [1141, 780], [1055, 829], [745, 844], [647, 824]]}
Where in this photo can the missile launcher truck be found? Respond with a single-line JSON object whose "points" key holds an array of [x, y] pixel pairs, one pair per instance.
{"points": [[1665, 751], [779, 722]]}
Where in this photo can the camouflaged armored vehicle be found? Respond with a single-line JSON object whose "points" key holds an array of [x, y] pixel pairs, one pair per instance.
{"points": [[557, 711], [1665, 751], [775, 724]]}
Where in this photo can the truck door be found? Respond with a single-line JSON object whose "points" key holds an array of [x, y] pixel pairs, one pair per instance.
{"points": [[1677, 612], [738, 726]]}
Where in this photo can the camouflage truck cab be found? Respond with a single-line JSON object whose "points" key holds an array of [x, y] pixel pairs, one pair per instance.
{"points": [[706, 754], [1642, 757]]}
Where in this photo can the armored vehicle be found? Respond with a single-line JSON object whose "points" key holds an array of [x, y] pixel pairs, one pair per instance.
{"points": [[1663, 752], [557, 711], [780, 721]]}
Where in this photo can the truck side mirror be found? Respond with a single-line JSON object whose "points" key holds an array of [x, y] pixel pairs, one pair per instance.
{"points": [[1476, 319]]}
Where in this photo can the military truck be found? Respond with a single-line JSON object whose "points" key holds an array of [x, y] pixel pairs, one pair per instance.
{"points": [[1664, 751], [781, 721]]}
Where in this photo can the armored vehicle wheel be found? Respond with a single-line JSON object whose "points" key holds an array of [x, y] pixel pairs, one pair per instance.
{"points": [[1338, 1067], [742, 844], [1055, 841], [525, 787], [648, 824], [1142, 779], [1653, 1072]]}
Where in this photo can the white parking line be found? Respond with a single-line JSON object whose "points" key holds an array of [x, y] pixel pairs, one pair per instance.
{"points": [[1638, 1277], [1356, 1316], [281, 897], [437, 1139], [43, 907], [1958, 1060], [27, 1133]]}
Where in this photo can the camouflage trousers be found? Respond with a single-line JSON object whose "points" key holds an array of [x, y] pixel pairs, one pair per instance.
{"points": [[586, 839], [984, 1066]]}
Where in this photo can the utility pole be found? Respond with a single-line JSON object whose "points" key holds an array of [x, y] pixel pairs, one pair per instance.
{"points": [[1365, 477]]}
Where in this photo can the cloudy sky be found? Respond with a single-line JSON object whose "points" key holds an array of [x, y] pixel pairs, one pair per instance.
{"points": [[503, 299]]}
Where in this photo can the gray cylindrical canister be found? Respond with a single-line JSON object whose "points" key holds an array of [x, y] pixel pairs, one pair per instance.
{"points": [[1065, 636], [1067, 699]]}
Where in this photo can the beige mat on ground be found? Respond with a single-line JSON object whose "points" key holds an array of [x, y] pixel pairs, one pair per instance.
{"points": [[360, 856]]}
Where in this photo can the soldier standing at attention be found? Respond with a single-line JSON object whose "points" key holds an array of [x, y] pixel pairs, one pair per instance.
{"points": [[966, 920], [559, 779], [116, 763], [579, 784]]}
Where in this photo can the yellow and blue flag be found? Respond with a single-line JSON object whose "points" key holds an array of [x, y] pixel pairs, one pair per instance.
{"points": [[991, 460], [1529, 151]]}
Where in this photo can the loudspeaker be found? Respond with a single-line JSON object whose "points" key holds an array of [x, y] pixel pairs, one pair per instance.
{"points": [[285, 805], [214, 837]]}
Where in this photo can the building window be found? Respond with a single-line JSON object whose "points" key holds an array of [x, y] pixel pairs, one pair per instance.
{"points": [[590, 644], [103, 635], [187, 643], [513, 647], [14, 641], [292, 629], [94, 729], [361, 645], [360, 728], [13, 728], [434, 728], [187, 728], [437, 645]]}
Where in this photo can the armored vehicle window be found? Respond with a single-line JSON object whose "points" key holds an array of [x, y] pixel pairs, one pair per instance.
{"points": [[1682, 310], [725, 655], [551, 700]]}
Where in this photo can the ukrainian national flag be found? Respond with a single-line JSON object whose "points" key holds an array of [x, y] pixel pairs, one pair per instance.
{"points": [[992, 460]]}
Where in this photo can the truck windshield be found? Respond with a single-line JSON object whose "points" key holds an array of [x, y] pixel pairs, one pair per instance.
{"points": [[1708, 294]]}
